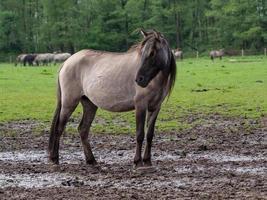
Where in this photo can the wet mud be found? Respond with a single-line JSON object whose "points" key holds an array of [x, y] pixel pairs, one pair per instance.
{"points": [[219, 158]]}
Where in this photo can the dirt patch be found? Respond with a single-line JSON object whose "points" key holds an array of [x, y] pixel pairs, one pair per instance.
{"points": [[219, 158]]}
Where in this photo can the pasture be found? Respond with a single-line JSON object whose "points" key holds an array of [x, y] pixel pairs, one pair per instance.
{"points": [[232, 87], [210, 137]]}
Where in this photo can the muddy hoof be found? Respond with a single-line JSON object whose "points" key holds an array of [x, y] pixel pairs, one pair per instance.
{"points": [[55, 167], [94, 168], [54, 161], [144, 170]]}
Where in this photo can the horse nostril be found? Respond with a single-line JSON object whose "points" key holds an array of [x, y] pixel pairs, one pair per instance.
{"points": [[140, 79]]}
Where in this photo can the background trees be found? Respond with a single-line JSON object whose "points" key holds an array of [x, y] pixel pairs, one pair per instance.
{"points": [[48, 25]]}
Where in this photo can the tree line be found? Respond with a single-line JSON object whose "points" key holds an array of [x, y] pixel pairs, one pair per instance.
{"points": [[112, 25]]}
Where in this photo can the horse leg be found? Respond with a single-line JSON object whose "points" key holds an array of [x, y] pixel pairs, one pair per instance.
{"points": [[58, 127], [89, 111], [149, 137], [140, 115]]}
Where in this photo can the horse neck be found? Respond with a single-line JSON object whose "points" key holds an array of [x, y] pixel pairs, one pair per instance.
{"points": [[160, 80], [134, 58]]}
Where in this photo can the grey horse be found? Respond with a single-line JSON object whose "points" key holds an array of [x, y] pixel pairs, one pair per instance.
{"points": [[216, 53], [20, 59], [178, 54], [138, 79], [44, 58], [60, 57]]}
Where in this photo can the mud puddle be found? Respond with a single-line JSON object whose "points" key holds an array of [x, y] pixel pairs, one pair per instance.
{"points": [[122, 157], [75, 157], [221, 157], [33, 180]]}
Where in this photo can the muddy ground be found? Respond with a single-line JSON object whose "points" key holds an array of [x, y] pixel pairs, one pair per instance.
{"points": [[219, 158]]}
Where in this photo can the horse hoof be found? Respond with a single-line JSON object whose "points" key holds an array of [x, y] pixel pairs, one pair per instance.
{"points": [[53, 162], [54, 167], [97, 167], [94, 167], [144, 170]]}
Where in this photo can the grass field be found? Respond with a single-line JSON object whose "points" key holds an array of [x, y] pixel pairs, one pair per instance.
{"points": [[235, 87]]}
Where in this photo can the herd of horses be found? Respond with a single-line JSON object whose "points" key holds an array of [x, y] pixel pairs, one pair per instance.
{"points": [[213, 54], [41, 58]]}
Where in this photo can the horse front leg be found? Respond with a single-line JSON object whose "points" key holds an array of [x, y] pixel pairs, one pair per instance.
{"points": [[149, 137], [140, 116]]}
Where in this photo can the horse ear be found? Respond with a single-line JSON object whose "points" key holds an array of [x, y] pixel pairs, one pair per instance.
{"points": [[143, 33], [157, 34]]}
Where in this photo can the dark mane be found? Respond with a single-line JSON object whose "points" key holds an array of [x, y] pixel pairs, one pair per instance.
{"points": [[138, 46], [135, 47]]}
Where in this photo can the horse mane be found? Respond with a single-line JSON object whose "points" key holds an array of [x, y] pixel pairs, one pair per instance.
{"points": [[135, 47], [138, 46]]}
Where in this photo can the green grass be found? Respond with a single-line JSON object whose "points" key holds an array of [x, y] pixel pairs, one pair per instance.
{"points": [[232, 87]]}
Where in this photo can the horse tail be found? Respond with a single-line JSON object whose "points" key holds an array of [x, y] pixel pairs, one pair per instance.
{"points": [[55, 121], [172, 75]]}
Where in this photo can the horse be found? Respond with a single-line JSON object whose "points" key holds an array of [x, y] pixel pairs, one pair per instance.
{"points": [[44, 58], [29, 58], [178, 54], [20, 59], [61, 57], [215, 54], [138, 79]]}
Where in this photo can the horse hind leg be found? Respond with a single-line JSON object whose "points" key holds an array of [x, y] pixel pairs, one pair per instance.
{"points": [[62, 114], [89, 111]]}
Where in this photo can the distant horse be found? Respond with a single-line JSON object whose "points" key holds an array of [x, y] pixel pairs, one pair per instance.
{"points": [[178, 54], [20, 59], [61, 57], [138, 79], [29, 58], [216, 54], [44, 58]]}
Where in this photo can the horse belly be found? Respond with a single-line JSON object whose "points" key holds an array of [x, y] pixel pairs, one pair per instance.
{"points": [[109, 95]]}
